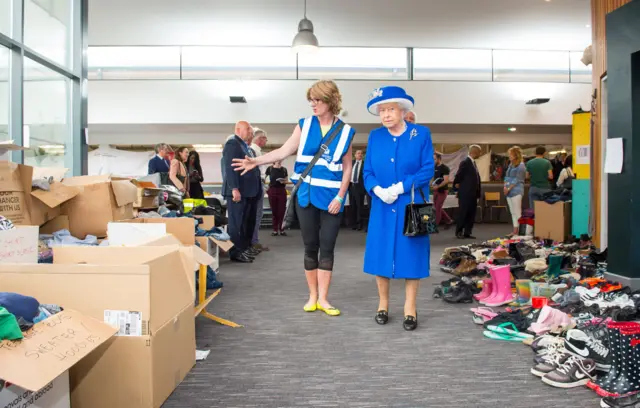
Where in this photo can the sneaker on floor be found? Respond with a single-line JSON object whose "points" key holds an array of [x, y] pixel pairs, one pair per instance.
{"points": [[632, 401], [574, 372], [552, 351], [582, 345], [541, 343], [549, 364]]}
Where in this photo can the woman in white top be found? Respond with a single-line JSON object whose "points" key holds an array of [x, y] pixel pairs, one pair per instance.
{"points": [[566, 175]]}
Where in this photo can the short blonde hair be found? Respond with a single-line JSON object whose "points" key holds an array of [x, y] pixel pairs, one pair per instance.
{"points": [[517, 151], [328, 92]]}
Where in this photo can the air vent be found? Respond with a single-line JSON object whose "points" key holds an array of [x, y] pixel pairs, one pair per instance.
{"points": [[538, 101], [238, 99]]}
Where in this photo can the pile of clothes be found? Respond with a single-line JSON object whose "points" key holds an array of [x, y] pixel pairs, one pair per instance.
{"points": [[18, 313], [581, 327]]}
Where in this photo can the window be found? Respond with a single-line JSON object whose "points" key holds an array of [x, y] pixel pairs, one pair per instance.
{"points": [[47, 128], [451, 65], [47, 29], [6, 15], [238, 63], [354, 63], [531, 66], [579, 72], [134, 62], [4, 93]]}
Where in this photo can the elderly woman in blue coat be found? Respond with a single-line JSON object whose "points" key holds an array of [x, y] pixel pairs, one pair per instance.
{"points": [[399, 159]]}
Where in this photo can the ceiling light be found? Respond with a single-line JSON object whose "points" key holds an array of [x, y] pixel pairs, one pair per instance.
{"points": [[305, 40], [588, 26], [512, 129]]}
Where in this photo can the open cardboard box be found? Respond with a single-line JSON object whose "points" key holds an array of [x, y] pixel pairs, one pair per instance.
{"points": [[102, 199], [36, 368], [147, 194], [148, 288]]}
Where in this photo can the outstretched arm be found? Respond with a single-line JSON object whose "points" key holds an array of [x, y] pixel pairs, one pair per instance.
{"points": [[287, 149]]}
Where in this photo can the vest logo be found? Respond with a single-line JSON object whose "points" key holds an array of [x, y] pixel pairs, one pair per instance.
{"points": [[327, 155]]}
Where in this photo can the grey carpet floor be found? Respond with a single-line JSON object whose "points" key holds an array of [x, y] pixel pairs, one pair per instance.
{"points": [[283, 357]]}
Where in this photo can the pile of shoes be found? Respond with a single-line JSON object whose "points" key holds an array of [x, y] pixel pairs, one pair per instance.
{"points": [[456, 290]]}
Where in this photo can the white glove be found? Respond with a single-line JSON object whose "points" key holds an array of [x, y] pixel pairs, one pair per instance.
{"points": [[385, 195], [397, 189]]}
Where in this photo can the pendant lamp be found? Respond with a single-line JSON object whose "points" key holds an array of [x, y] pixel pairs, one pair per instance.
{"points": [[305, 40]]}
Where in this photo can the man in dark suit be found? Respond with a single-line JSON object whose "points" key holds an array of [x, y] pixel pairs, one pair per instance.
{"points": [[357, 192], [241, 193], [467, 182], [159, 163]]}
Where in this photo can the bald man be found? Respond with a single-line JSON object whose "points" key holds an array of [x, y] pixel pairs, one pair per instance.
{"points": [[241, 193], [410, 117]]}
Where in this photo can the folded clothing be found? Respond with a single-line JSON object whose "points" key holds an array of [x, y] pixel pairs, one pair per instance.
{"points": [[64, 238], [9, 327], [20, 305]]}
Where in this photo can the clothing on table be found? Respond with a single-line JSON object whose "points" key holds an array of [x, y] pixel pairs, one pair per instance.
{"points": [[20, 305], [64, 238], [357, 193], [323, 183], [468, 180], [515, 208], [158, 164], [537, 194], [278, 204], [438, 177], [195, 178], [565, 174], [275, 174], [515, 177], [319, 231], [9, 327], [408, 159], [438, 202], [45, 311], [538, 170], [215, 232]]}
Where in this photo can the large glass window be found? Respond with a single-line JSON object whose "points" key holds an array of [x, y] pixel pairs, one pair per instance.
{"points": [[354, 63], [47, 127], [5, 17], [238, 63], [4, 93], [47, 29], [451, 65], [134, 62], [531, 66], [579, 72]]}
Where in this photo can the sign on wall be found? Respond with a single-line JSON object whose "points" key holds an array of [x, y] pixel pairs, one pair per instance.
{"points": [[583, 154]]}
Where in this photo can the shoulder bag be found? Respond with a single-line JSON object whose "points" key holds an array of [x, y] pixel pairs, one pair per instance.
{"points": [[419, 219], [290, 217]]}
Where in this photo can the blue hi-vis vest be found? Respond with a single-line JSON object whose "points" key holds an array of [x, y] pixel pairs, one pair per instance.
{"points": [[323, 182]]}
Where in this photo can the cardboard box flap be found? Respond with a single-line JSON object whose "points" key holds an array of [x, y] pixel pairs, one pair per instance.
{"points": [[59, 223], [58, 194], [124, 191], [224, 245], [50, 348], [86, 180], [106, 255], [12, 177], [146, 185], [200, 256]]}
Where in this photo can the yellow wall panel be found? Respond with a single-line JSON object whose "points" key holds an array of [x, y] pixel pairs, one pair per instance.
{"points": [[581, 139]]}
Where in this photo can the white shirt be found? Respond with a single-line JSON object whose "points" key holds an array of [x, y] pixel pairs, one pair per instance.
{"points": [[160, 157], [258, 151], [353, 170], [564, 174]]}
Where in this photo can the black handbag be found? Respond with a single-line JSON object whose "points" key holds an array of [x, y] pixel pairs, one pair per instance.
{"points": [[290, 216], [419, 219]]}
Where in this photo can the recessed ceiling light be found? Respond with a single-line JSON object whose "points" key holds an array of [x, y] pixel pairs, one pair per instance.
{"points": [[588, 26], [512, 129]]}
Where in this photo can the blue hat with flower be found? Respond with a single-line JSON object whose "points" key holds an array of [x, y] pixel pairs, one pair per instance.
{"points": [[389, 94]]}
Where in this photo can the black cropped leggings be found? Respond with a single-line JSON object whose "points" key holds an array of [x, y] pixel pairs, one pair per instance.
{"points": [[319, 233]]}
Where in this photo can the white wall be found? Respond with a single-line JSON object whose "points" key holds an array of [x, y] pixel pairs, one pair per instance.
{"points": [[206, 101]]}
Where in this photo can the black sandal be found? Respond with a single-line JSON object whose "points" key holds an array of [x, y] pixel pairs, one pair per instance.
{"points": [[382, 317], [410, 323]]}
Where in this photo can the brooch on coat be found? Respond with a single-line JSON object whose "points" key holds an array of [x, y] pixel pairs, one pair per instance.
{"points": [[413, 134]]}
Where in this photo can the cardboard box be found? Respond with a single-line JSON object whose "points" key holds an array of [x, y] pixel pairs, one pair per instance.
{"points": [[102, 199], [182, 228], [19, 245], [552, 221], [36, 367], [46, 205], [147, 195]]}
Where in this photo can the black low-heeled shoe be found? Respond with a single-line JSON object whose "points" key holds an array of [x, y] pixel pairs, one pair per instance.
{"points": [[382, 317], [410, 322]]}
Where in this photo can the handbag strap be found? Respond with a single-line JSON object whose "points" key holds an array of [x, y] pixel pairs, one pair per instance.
{"points": [[324, 146], [421, 193]]}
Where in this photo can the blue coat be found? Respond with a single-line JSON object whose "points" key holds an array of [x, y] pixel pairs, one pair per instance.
{"points": [[407, 159]]}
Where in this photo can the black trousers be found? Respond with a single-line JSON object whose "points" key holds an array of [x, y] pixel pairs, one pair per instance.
{"points": [[356, 200], [242, 222], [466, 215], [319, 233]]}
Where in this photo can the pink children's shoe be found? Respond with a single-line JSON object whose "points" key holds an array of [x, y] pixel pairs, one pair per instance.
{"points": [[487, 285], [501, 294]]}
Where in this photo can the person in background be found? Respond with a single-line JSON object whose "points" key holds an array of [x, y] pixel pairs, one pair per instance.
{"points": [[558, 164], [320, 198], [440, 187], [195, 175], [357, 192], [241, 192], [277, 175], [540, 174], [159, 163], [410, 117], [178, 175], [259, 141], [467, 182], [514, 185], [398, 166], [566, 175]]}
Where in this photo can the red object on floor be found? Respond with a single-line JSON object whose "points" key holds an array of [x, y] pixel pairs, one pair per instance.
{"points": [[538, 302]]}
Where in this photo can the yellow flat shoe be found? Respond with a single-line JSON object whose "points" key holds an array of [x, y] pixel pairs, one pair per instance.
{"points": [[311, 308], [332, 311]]}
